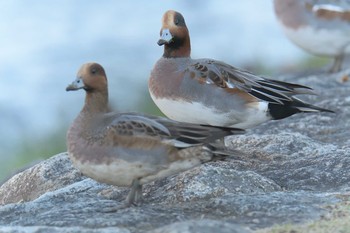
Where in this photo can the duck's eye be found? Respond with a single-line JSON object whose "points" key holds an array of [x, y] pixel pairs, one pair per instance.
{"points": [[93, 71], [176, 21]]}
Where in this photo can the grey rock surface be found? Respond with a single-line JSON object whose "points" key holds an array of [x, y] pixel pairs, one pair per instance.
{"points": [[48, 175], [287, 171], [203, 226]]}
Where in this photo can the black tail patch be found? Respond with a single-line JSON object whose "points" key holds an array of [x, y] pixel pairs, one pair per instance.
{"points": [[280, 111]]}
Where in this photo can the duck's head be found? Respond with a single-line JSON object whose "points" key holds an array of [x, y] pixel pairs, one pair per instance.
{"points": [[91, 77], [174, 35]]}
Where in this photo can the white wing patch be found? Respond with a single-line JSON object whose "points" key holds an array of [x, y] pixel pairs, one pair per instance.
{"points": [[328, 7]]}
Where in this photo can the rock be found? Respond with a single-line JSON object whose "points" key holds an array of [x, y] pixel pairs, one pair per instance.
{"points": [[208, 181], [203, 226], [48, 175], [40, 229], [286, 171], [295, 162]]}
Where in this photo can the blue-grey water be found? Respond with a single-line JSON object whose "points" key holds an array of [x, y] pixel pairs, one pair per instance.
{"points": [[43, 44]]}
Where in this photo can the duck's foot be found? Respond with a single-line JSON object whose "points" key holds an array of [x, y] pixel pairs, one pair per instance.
{"points": [[133, 199]]}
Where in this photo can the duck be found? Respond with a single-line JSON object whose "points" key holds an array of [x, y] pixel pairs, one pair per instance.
{"points": [[132, 149], [319, 27], [211, 92]]}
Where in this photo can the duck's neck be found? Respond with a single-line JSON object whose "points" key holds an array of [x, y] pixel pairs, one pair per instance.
{"points": [[178, 48], [96, 102], [290, 9]]}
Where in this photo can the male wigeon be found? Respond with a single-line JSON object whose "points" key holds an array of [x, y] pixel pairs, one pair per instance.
{"points": [[321, 27], [130, 149], [211, 92]]}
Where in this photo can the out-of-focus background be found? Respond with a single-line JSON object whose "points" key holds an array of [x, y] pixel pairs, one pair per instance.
{"points": [[43, 44]]}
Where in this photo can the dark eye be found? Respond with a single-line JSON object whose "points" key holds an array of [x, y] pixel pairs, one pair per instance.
{"points": [[176, 21], [93, 71]]}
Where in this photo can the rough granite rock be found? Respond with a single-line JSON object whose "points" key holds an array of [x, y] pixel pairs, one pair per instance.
{"points": [[203, 226], [287, 171], [48, 175]]}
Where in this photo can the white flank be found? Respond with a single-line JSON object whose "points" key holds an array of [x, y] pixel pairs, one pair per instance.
{"points": [[196, 113], [255, 115], [320, 42]]}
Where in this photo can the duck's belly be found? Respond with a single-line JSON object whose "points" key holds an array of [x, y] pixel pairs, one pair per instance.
{"points": [[118, 172], [324, 42], [122, 173], [197, 113]]}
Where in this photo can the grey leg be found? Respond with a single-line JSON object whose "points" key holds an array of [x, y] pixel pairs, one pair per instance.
{"points": [[138, 194], [337, 63], [135, 194]]}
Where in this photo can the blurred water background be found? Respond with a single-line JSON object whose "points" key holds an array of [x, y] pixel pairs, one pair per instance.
{"points": [[43, 44]]}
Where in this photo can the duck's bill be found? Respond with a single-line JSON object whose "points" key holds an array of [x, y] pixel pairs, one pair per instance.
{"points": [[165, 37], [76, 85]]}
